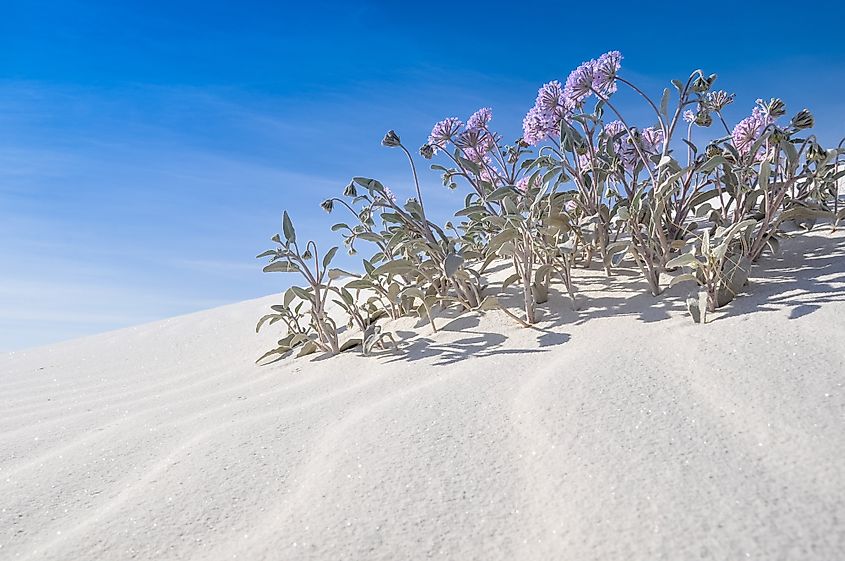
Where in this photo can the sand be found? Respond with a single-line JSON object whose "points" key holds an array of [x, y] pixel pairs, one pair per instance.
{"points": [[621, 431]]}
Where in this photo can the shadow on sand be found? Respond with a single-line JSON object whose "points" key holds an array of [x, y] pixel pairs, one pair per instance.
{"points": [[809, 273]]}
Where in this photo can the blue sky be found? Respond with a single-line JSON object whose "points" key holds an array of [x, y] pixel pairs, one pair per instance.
{"points": [[147, 149]]}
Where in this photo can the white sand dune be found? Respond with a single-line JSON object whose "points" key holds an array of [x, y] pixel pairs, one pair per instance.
{"points": [[621, 431]]}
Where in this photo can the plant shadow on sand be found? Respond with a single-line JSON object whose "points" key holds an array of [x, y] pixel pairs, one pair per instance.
{"points": [[810, 274], [476, 342]]}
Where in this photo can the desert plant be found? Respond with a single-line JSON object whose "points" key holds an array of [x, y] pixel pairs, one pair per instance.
{"points": [[322, 331], [416, 258], [718, 263], [584, 181], [624, 177], [509, 208]]}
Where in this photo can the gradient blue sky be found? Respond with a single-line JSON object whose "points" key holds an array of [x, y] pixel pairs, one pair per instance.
{"points": [[147, 149]]}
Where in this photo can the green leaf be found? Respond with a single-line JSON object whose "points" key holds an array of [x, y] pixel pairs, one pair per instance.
{"points": [[791, 152], [369, 236], [350, 344], [703, 210], [359, 284], [685, 260], [397, 266], [452, 263], [327, 258], [500, 193], [413, 292], [763, 176], [287, 228], [335, 273], [264, 319], [308, 348], [473, 209], [703, 197], [489, 303], [711, 164], [664, 103], [281, 267], [510, 280], [682, 278], [623, 213], [467, 164], [277, 351], [541, 272], [502, 237], [301, 292], [289, 296], [368, 183]]}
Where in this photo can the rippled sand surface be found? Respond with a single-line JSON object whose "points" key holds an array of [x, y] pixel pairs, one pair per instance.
{"points": [[621, 431]]}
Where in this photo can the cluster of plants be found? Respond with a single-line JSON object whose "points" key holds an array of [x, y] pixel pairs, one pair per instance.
{"points": [[683, 196]]}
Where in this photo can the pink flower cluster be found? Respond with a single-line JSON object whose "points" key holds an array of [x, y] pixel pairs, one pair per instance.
{"points": [[649, 141], [555, 103], [475, 141], [525, 183], [748, 130]]}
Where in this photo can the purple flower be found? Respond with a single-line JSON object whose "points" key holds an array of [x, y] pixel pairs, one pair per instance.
{"points": [[652, 139], [525, 183], [476, 144], [490, 173], [597, 75], [543, 120], [389, 194], [718, 99], [605, 70], [537, 126], [480, 119], [689, 116], [749, 130], [628, 153], [477, 154], [615, 131], [613, 128], [579, 84], [443, 132], [550, 98]]}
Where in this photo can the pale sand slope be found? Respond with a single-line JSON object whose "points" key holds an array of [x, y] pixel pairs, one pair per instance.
{"points": [[624, 431]]}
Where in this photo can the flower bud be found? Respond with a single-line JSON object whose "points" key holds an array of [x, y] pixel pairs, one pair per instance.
{"points": [[391, 139], [512, 154], [703, 119], [350, 190], [803, 120], [702, 84], [774, 108], [713, 150], [328, 205], [815, 153], [427, 151]]}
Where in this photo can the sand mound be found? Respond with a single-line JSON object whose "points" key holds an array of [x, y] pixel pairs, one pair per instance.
{"points": [[621, 431]]}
